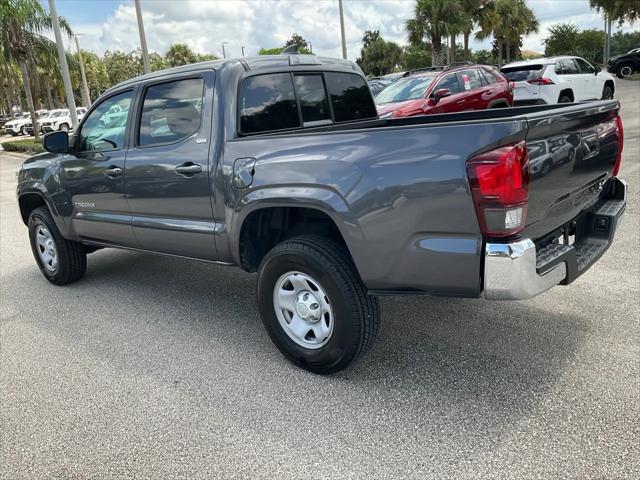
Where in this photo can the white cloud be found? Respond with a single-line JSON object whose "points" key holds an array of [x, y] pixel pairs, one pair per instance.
{"points": [[204, 25]]}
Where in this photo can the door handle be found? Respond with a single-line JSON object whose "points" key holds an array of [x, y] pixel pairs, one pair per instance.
{"points": [[188, 169], [113, 171]]}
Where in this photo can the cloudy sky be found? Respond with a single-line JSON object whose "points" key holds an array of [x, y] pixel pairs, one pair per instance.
{"points": [[205, 24]]}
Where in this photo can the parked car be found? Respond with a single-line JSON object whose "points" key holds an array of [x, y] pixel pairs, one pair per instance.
{"points": [[280, 165], [626, 64], [42, 115], [376, 85], [60, 120], [444, 90], [17, 126], [558, 80]]}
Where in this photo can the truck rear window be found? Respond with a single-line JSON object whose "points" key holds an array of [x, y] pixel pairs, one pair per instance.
{"points": [[350, 97], [523, 73], [280, 101], [268, 102]]}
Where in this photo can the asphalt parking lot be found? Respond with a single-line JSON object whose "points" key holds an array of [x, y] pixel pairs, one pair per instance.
{"points": [[154, 367]]}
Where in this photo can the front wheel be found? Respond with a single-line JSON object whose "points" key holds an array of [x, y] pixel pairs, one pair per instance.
{"points": [[314, 305], [61, 261], [63, 128], [624, 71], [607, 93]]}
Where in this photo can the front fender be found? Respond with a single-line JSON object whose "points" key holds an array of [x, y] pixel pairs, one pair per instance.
{"points": [[314, 197], [38, 188]]}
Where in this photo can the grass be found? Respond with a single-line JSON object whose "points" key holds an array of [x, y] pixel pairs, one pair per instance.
{"points": [[30, 145]]}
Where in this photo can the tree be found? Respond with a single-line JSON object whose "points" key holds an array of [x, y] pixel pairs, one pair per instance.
{"points": [[562, 39], [415, 56], [122, 66], [180, 54], [507, 21], [433, 20], [380, 57], [21, 24], [473, 9], [297, 40], [615, 10], [368, 37]]}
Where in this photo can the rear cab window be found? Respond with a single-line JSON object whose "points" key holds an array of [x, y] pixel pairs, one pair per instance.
{"points": [[290, 100]]}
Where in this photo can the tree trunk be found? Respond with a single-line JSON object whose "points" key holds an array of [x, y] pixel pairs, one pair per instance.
{"points": [[48, 89], [608, 39], [27, 89], [436, 51], [499, 52], [508, 45], [466, 45], [452, 49]]}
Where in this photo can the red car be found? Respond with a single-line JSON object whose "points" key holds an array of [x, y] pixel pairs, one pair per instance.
{"points": [[445, 90]]}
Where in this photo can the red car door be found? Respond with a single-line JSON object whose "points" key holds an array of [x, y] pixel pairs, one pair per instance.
{"points": [[474, 91], [454, 102]]}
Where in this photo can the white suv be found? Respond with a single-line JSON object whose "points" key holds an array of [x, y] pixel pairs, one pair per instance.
{"points": [[60, 120], [557, 80]]}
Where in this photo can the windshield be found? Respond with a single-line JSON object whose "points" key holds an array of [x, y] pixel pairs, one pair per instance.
{"points": [[58, 114], [635, 50], [408, 88]]}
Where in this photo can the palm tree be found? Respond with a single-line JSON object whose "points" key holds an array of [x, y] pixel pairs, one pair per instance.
{"points": [[615, 10], [507, 21], [21, 25], [436, 19], [473, 9]]}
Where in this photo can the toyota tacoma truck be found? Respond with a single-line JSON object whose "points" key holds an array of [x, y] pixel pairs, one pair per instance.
{"points": [[280, 165]]}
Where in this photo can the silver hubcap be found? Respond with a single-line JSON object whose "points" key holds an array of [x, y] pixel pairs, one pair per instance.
{"points": [[47, 249], [625, 71], [303, 310]]}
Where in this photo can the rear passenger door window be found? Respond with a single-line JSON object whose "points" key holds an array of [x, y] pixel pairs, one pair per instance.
{"points": [[312, 98], [470, 79], [268, 102], [171, 112], [350, 97]]}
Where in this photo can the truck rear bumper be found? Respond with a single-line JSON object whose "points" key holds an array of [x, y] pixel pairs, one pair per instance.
{"points": [[521, 270]]}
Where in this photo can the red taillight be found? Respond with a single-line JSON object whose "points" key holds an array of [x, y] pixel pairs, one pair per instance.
{"points": [[616, 166], [499, 181], [540, 81]]}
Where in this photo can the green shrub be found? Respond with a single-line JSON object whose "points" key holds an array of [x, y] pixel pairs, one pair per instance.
{"points": [[30, 145]]}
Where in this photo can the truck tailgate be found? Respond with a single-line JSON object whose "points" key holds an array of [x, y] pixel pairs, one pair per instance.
{"points": [[572, 152]]}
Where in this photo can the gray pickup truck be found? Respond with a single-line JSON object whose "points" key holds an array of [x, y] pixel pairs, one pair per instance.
{"points": [[280, 165]]}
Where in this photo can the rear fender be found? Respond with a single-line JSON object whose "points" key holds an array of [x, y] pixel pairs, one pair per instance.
{"points": [[317, 198]]}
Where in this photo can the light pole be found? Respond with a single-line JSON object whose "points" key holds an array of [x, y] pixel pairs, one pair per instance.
{"points": [[344, 41], [143, 38], [86, 97], [242, 47], [224, 53], [66, 79]]}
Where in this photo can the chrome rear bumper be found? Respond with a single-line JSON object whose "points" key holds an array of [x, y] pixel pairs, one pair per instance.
{"points": [[518, 270]]}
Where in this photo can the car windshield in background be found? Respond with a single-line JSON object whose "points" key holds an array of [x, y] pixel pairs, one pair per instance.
{"points": [[523, 73], [404, 89], [58, 114]]}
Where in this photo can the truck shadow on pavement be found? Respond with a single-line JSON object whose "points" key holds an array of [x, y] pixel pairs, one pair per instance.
{"points": [[198, 325]]}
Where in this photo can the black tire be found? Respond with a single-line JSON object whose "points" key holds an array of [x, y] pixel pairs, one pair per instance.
{"points": [[607, 92], [356, 315], [63, 127], [23, 130], [71, 257], [564, 99], [624, 70]]}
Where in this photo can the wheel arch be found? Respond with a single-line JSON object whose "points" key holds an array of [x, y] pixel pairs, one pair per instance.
{"points": [[34, 198], [274, 217], [568, 92]]}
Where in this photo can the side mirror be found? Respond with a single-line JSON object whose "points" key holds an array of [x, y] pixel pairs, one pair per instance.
{"points": [[56, 142], [441, 93]]}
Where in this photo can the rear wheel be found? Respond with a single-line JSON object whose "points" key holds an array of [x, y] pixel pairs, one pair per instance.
{"points": [[314, 305], [564, 99], [624, 71], [607, 92], [61, 261], [23, 130]]}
